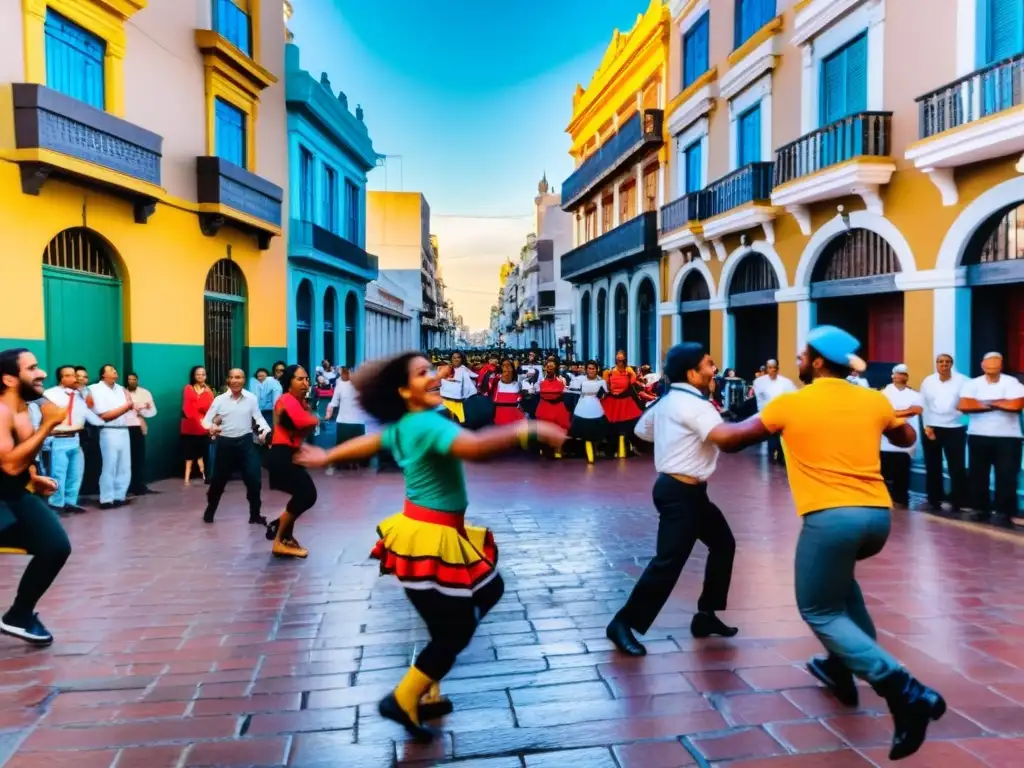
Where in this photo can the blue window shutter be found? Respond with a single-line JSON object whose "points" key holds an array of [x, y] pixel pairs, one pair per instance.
{"points": [[1004, 23], [230, 133], [689, 51], [740, 6], [74, 60], [703, 43], [833, 88], [857, 76], [694, 166], [749, 134]]}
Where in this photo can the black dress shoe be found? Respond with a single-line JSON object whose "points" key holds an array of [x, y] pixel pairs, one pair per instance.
{"points": [[107, 505], [435, 710], [257, 520], [622, 636], [834, 675], [706, 624], [208, 516], [74, 509], [913, 706], [388, 708]]}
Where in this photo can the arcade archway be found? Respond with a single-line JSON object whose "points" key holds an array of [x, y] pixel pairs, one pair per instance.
{"points": [[753, 314]]}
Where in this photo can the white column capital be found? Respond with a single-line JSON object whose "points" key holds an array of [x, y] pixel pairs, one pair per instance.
{"points": [[666, 308]]}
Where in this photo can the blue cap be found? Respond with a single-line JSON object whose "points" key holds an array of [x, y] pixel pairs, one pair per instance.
{"points": [[836, 346]]}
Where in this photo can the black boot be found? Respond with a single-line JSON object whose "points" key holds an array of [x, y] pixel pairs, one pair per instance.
{"points": [[913, 706], [834, 675], [621, 634], [706, 624]]}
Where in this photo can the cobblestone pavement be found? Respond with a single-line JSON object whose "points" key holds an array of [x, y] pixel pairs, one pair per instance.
{"points": [[180, 644]]}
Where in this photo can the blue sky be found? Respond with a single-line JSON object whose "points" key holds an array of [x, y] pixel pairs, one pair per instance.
{"points": [[475, 97]]}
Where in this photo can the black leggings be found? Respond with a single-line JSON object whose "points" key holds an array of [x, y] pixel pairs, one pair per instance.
{"points": [[451, 622], [292, 479], [37, 530]]}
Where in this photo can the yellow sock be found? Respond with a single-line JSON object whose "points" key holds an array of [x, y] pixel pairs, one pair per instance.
{"points": [[622, 447], [432, 695], [558, 455], [590, 452], [409, 692]]}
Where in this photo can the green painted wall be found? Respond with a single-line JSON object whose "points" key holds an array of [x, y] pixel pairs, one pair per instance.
{"points": [[265, 357], [37, 346]]}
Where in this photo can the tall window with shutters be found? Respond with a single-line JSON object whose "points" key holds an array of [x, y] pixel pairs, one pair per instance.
{"points": [[231, 20], [651, 187], [748, 137], [844, 81], [74, 60], [627, 201], [693, 162], [607, 213], [1000, 30], [230, 132], [351, 212], [306, 191], [695, 50], [750, 16], [330, 199]]}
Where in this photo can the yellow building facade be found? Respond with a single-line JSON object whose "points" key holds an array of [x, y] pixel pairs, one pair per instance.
{"points": [[142, 166]]}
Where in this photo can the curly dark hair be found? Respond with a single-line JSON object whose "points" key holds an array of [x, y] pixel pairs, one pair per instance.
{"points": [[377, 384]]}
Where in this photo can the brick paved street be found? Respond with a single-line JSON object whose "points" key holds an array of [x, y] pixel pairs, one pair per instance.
{"points": [[180, 644]]}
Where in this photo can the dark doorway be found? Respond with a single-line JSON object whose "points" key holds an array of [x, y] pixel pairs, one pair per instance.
{"points": [[585, 326], [601, 353], [754, 313], [621, 319], [694, 309], [647, 318]]}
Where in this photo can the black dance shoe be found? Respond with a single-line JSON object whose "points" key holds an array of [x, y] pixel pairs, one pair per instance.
{"points": [[389, 708], [272, 527], [620, 633], [834, 675], [208, 515], [706, 624], [435, 710], [913, 706], [257, 520]]}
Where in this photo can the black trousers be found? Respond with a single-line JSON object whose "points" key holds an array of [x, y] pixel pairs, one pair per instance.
{"points": [[39, 531], [775, 448], [137, 448], [896, 473], [687, 516], [90, 440], [451, 622], [235, 454], [1002, 454], [951, 441]]}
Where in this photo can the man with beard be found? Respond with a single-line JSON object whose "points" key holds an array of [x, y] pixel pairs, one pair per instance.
{"points": [[832, 429], [26, 521]]}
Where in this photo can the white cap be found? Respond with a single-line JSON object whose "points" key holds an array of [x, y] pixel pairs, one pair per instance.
{"points": [[990, 355], [901, 368]]}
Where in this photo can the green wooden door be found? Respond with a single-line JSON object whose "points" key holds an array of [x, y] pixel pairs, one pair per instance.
{"points": [[83, 319]]}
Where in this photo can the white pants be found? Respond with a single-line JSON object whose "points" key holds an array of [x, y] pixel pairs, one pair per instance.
{"points": [[115, 447]]}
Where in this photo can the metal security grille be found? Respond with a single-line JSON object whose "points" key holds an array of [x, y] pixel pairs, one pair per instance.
{"points": [[224, 337], [80, 250], [858, 253], [1006, 243], [695, 288], [753, 273]]}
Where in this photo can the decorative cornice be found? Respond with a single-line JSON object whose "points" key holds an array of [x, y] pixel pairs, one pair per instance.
{"points": [[304, 94], [234, 65]]}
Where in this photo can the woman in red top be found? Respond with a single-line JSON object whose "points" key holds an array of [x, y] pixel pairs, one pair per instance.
{"points": [[621, 406], [551, 406], [506, 393], [294, 420], [196, 400]]}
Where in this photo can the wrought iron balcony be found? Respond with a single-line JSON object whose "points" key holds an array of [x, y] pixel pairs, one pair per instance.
{"points": [[631, 243], [639, 134], [308, 239], [690, 207], [859, 135], [59, 135], [748, 184], [247, 200], [985, 92]]}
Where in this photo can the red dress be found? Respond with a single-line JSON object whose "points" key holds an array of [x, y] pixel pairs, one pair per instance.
{"points": [[551, 406], [506, 403], [621, 406]]}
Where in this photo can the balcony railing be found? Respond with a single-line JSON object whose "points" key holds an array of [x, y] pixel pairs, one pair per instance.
{"points": [[235, 189], [987, 91], [745, 185], [678, 213], [634, 238], [865, 133], [641, 132], [310, 235]]}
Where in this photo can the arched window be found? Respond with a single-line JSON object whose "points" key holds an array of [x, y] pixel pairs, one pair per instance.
{"points": [[621, 317], [602, 327], [225, 337], [753, 274], [585, 326], [351, 321], [647, 319], [330, 322], [304, 324]]}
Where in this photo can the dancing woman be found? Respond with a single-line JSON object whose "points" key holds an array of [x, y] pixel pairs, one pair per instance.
{"points": [[621, 407], [294, 420], [588, 420], [458, 387], [448, 569], [551, 391], [507, 394]]}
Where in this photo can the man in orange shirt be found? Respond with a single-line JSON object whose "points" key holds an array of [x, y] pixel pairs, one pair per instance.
{"points": [[830, 434]]}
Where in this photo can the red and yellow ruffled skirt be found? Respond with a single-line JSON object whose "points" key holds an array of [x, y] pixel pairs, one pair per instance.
{"points": [[427, 549]]}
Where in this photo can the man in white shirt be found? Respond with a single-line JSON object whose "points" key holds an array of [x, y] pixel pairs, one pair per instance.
{"points": [[767, 388], [680, 425], [351, 421], [895, 461], [944, 433], [111, 402], [137, 430], [993, 403], [230, 422], [67, 461]]}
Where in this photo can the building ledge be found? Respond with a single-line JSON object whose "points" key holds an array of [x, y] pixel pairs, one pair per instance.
{"points": [[227, 193], [321, 248], [860, 176], [626, 245], [748, 216], [813, 16], [752, 60], [231, 63]]}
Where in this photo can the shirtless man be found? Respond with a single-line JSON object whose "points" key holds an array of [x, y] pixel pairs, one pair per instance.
{"points": [[26, 521]]}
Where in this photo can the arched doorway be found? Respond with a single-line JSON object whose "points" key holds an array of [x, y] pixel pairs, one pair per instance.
{"points": [[753, 314], [647, 329], [82, 302], [621, 320], [304, 324], [584, 350], [994, 258], [695, 309], [601, 353], [225, 337], [330, 322], [351, 321], [853, 286]]}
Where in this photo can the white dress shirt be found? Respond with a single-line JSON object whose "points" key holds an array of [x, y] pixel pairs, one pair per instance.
{"points": [[346, 403], [767, 389], [993, 423], [940, 398], [679, 425], [236, 414], [460, 385], [78, 411], [141, 396], [105, 398], [902, 399]]}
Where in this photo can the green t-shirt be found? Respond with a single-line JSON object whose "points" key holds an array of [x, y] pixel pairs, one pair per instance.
{"points": [[420, 443]]}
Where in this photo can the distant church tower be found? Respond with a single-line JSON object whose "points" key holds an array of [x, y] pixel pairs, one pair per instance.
{"points": [[541, 202], [288, 11]]}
